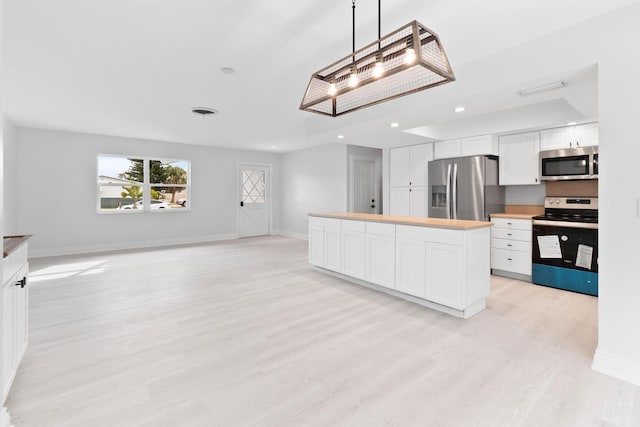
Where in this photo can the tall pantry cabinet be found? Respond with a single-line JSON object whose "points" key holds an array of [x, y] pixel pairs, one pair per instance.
{"points": [[408, 179]]}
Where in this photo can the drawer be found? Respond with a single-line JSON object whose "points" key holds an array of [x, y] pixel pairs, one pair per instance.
{"points": [[511, 245], [350, 225], [430, 234], [511, 234], [517, 224], [516, 262], [381, 229]]}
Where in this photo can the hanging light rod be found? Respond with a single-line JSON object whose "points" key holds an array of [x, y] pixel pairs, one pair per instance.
{"points": [[408, 60]]}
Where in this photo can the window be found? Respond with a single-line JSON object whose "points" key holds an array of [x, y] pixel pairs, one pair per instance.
{"points": [[139, 184]]}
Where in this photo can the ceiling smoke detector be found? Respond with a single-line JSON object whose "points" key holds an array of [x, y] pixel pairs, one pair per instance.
{"points": [[204, 111]]}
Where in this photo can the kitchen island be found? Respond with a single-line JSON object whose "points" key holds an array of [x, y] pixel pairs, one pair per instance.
{"points": [[439, 263]]}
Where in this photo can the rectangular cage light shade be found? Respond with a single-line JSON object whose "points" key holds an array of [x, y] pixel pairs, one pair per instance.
{"points": [[405, 61]]}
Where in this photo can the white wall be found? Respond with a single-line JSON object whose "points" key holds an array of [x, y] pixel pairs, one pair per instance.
{"points": [[313, 180], [10, 164], [57, 194]]}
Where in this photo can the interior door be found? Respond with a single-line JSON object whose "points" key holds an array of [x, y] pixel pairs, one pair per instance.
{"points": [[254, 211], [365, 186]]}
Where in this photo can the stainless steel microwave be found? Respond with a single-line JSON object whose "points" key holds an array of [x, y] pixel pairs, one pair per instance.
{"points": [[569, 163]]}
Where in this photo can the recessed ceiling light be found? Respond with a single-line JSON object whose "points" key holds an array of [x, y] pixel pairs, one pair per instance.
{"points": [[395, 124], [459, 109], [227, 70], [340, 136], [571, 123], [204, 111]]}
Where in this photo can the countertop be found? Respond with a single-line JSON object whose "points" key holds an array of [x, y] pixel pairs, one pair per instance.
{"points": [[11, 243], [513, 215], [453, 224]]}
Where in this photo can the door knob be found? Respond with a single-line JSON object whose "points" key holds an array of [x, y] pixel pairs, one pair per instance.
{"points": [[241, 203], [373, 201], [373, 206]]}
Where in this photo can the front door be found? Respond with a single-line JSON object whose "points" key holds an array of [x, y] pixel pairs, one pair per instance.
{"points": [[253, 211]]}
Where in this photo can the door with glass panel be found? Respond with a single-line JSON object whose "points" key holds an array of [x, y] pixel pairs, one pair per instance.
{"points": [[254, 210]]}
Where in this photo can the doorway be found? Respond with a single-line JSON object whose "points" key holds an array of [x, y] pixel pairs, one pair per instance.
{"points": [[254, 209], [365, 179]]}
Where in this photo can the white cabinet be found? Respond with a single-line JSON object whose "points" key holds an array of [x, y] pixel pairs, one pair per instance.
{"points": [[408, 179], [511, 247], [569, 137], [353, 248], [519, 158], [444, 277], [15, 314], [381, 254], [325, 243], [411, 267], [469, 146]]}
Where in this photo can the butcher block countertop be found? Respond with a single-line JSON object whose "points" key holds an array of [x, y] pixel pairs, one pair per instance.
{"points": [[11, 243], [513, 215], [453, 224]]}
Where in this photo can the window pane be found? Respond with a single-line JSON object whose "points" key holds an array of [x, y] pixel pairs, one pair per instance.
{"points": [[253, 186], [120, 170], [113, 197], [168, 197], [169, 172]]}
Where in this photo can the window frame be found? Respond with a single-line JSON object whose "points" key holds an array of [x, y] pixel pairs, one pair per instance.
{"points": [[146, 185]]}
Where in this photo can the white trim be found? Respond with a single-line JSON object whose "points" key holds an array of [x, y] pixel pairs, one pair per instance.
{"points": [[268, 191], [377, 174], [292, 234], [88, 249], [617, 367], [5, 419]]}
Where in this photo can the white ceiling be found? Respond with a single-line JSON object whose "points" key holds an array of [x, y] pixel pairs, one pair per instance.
{"points": [[136, 68]]}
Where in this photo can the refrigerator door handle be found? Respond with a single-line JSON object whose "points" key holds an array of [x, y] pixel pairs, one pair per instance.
{"points": [[454, 191], [448, 191]]}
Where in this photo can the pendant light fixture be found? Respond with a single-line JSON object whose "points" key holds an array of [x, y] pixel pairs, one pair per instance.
{"points": [[405, 61]]}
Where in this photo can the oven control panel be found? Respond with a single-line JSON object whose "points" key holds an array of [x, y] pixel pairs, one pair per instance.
{"points": [[571, 202]]}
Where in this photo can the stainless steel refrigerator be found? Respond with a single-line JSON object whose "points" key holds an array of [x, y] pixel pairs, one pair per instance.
{"points": [[465, 188]]}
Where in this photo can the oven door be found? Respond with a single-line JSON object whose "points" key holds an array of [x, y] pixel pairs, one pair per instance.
{"points": [[565, 256]]}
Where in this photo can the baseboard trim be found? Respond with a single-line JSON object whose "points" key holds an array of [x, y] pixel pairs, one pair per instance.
{"points": [[617, 367], [292, 234], [78, 250], [5, 419]]}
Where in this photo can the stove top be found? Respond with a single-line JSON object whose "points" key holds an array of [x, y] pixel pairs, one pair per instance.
{"points": [[570, 209], [568, 218]]}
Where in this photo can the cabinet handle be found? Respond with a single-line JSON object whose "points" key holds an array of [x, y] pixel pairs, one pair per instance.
{"points": [[536, 179], [22, 283], [509, 244], [509, 223], [509, 234], [509, 259]]}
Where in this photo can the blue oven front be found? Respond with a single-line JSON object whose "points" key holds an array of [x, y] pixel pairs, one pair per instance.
{"points": [[565, 256]]}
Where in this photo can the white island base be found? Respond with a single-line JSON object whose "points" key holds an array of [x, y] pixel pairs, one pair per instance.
{"points": [[440, 264]]}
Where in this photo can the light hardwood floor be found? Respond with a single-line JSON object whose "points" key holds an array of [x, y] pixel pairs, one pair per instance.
{"points": [[246, 333]]}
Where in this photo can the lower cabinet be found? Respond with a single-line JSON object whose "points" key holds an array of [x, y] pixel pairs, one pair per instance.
{"points": [[15, 315], [447, 267], [511, 247]]}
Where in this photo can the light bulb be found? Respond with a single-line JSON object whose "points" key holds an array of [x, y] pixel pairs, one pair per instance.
{"points": [[378, 70], [410, 56], [332, 89], [353, 80]]}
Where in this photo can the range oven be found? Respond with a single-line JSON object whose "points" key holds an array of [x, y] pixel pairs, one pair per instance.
{"points": [[565, 244]]}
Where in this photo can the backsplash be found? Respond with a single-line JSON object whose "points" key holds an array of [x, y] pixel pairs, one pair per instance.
{"points": [[580, 188]]}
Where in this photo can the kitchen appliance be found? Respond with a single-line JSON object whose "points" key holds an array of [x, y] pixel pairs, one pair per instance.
{"points": [[465, 188], [565, 244], [569, 163]]}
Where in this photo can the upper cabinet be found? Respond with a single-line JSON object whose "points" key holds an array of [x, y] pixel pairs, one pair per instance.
{"points": [[408, 165], [519, 158], [463, 147], [569, 137]]}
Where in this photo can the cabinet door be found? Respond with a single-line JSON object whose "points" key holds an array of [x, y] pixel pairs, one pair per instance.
{"points": [[553, 139], [519, 159], [444, 274], [587, 134], [332, 249], [446, 149], [479, 145], [316, 245], [399, 201], [411, 267], [381, 259], [418, 201], [353, 254], [8, 335], [420, 156], [399, 172]]}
